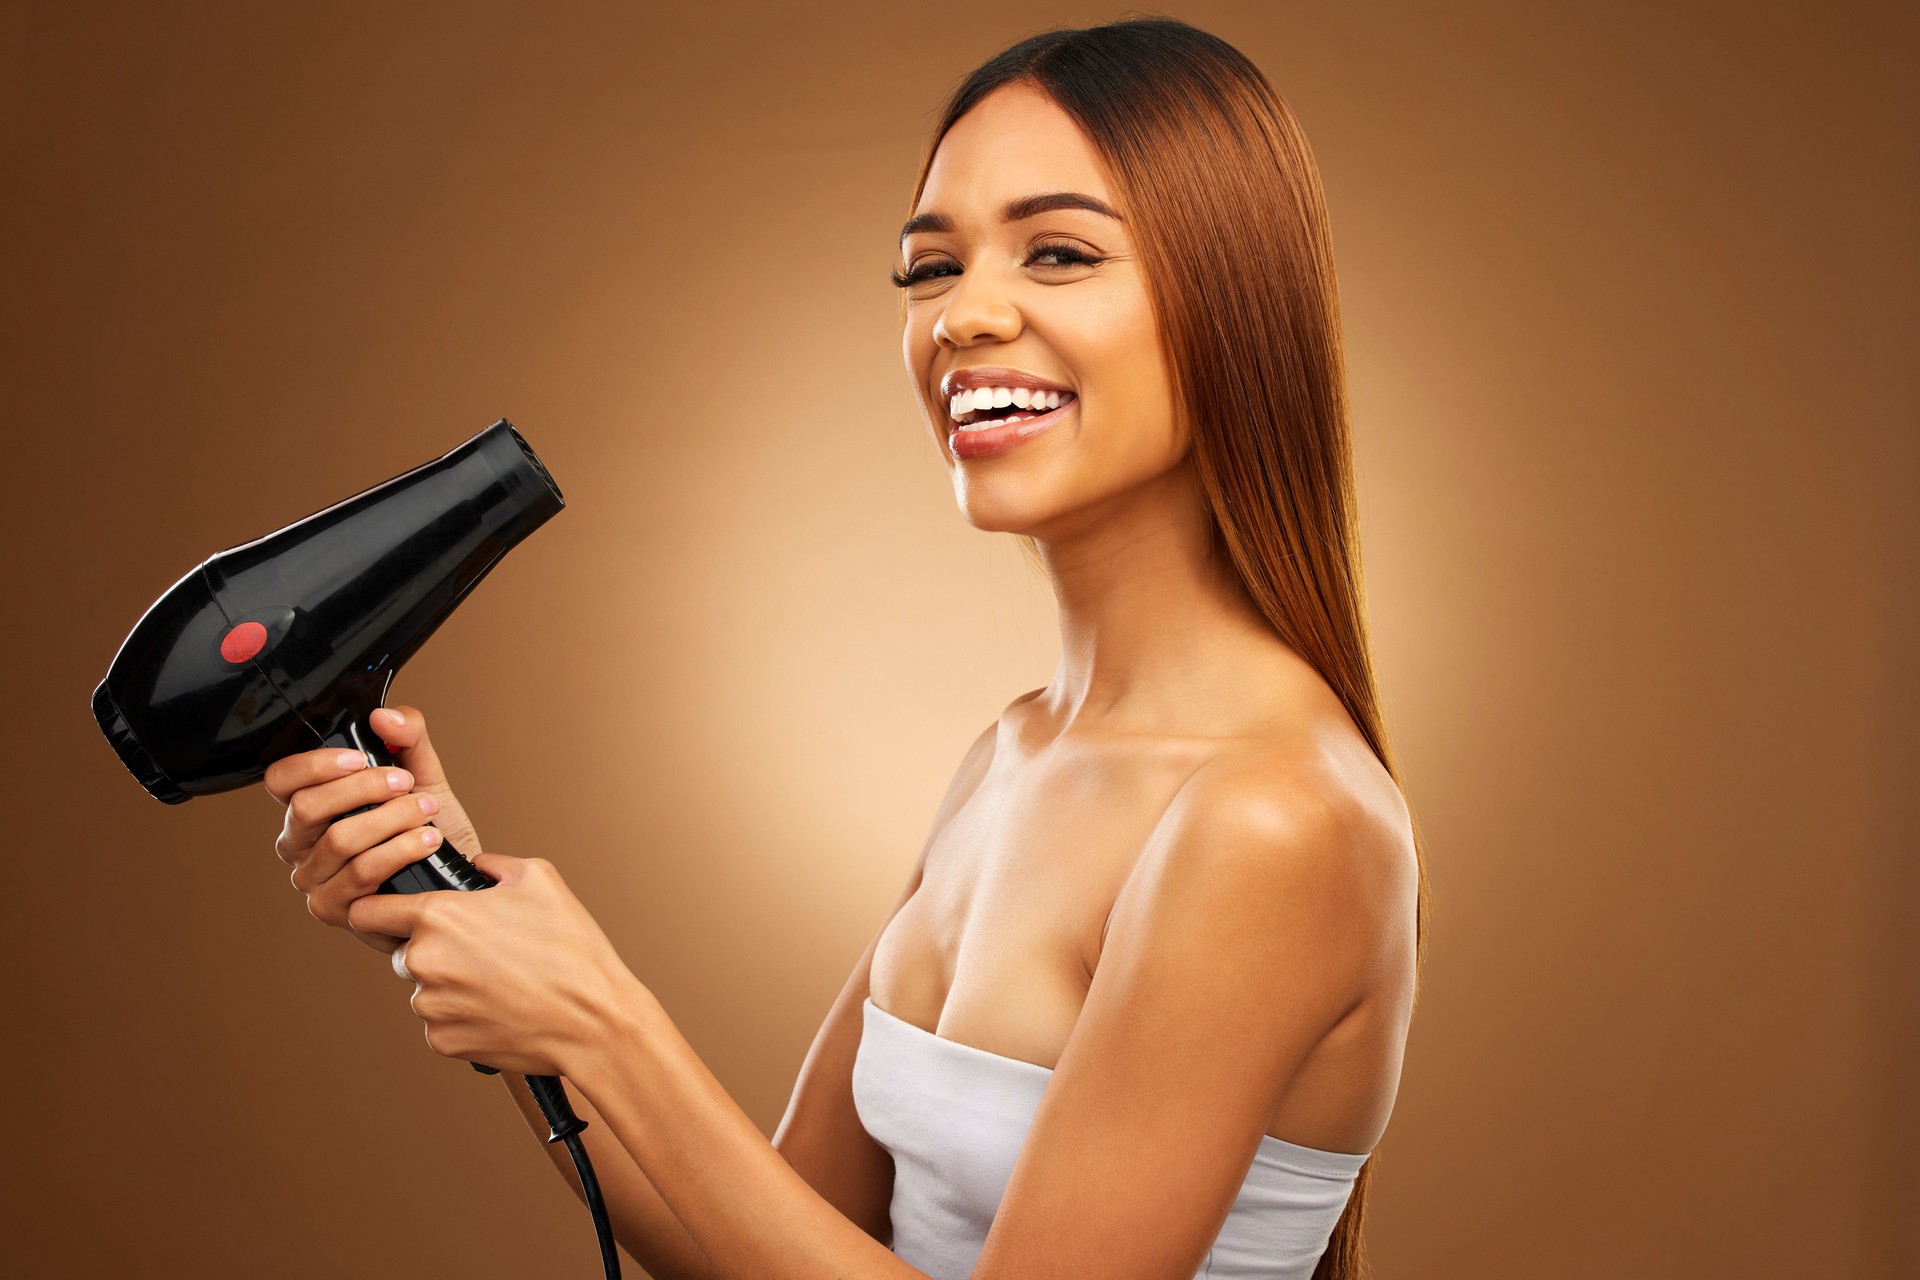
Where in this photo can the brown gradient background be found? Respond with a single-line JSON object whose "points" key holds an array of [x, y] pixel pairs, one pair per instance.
{"points": [[1629, 300]]}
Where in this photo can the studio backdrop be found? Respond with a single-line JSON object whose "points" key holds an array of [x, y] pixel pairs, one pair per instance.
{"points": [[1628, 303]]}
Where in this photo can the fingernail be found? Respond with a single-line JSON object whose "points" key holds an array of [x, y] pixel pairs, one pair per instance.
{"points": [[391, 749], [429, 837], [398, 780], [427, 804], [351, 760], [397, 717]]}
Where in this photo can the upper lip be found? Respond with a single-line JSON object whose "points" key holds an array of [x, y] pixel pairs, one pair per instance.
{"points": [[993, 375]]}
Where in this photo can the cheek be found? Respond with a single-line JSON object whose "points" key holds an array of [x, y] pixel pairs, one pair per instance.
{"points": [[918, 349], [1122, 358], [917, 345]]}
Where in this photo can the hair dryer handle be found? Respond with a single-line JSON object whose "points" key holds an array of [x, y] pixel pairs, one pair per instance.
{"points": [[445, 868]]}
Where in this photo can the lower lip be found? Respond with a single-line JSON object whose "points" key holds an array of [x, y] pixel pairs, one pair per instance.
{"points": [[988, 441]]}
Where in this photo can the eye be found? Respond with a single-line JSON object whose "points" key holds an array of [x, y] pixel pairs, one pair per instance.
{"points": [[1070, 255], [924, 271], [1067, 255]]}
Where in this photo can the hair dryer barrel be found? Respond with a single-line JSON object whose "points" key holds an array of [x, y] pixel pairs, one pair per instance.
{"points": [[276, 645]]}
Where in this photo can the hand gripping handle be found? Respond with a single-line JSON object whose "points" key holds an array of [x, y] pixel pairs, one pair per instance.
{"points": [[445, 868]]}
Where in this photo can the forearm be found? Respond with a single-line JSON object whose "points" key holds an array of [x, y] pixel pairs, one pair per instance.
{"points": [[747, 1210], [643, 1224]]}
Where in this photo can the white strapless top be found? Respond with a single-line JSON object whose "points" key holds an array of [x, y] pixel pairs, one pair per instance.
{"points": [[954, 1118]]}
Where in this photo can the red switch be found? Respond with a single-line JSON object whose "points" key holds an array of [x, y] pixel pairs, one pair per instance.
{"points": [[243, 642]]}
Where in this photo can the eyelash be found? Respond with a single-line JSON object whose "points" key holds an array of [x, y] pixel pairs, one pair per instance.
{"points": [[932, 271]]}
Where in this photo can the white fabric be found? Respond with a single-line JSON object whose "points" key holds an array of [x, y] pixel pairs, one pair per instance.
{"points": [[954, 1118]]}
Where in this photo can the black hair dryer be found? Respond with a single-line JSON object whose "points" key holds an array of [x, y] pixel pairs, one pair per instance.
{"points": [[289, 642]]}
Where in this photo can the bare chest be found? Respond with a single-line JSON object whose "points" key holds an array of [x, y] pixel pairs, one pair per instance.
{"points": [[999, 944]]}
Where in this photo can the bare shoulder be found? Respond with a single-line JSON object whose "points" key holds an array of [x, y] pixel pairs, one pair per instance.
{"points": [[1284, 801], [1277, 838]]}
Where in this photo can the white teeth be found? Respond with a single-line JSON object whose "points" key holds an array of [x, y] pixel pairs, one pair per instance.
{"points": [[977, 399], [991, 422]]}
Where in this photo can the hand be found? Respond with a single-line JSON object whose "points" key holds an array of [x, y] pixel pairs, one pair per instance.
{"points": [[518, 976], [339, 860]]}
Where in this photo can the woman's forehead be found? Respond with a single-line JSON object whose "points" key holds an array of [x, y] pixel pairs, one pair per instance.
{"points": [[1013, 141]]}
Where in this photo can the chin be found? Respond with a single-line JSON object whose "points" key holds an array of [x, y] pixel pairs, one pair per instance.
{"points": [[1008, 503]]}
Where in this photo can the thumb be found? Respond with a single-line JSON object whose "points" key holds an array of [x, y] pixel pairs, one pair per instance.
{"points": [[404, 730], [503, 869]]}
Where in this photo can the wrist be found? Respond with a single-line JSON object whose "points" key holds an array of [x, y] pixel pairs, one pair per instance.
{"points": [[615, 1029]]}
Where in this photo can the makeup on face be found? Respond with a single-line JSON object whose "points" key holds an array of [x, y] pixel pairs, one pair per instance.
{"points": [[993, 409], [985, 442]]}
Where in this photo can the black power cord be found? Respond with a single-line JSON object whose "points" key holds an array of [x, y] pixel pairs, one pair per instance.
{"points": [[564, 1126], [590, 1185]]}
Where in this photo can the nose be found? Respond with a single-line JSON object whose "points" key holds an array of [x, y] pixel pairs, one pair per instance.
{"points": [[977, 310]]}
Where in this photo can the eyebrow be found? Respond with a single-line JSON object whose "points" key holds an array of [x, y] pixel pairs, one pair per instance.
{"points": [[1015, 210]]}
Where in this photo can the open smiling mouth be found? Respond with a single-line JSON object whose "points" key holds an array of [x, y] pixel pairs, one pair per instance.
{"points": [[980, 433]]}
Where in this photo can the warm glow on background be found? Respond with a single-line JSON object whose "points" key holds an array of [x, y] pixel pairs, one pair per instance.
{"points": [[1628, 306]]}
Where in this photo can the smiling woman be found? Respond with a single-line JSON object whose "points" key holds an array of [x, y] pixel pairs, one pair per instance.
{"points": [[1119, 311], [1140, 1009]]}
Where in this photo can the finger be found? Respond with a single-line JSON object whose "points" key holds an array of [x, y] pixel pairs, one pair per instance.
{"points": [[357, 834], [331, 902], [500, 867], [311, 810], [399, 963], [310, 768], [395, 914], [404, 729]]}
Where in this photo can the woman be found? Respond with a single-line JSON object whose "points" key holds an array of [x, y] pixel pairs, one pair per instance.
{"points": [[1140, 1009]]}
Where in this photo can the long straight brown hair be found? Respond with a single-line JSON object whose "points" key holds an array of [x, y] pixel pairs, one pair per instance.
{"points": [[1211, 167]]}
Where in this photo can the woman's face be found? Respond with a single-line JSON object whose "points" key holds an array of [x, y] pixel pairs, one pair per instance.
{"points": [[1048, 299]]}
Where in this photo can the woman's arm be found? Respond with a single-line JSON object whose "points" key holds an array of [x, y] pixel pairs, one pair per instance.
{"points": [[820, 1137], [1258, 916], [339, 859], [642, 1223], [746, 1207], [841, 1163]]}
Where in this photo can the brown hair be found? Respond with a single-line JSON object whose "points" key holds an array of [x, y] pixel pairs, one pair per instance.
{"points": [[1211, 166]]}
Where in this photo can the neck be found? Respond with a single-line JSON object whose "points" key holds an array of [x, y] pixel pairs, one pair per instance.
{"points": [[1156, 631]]}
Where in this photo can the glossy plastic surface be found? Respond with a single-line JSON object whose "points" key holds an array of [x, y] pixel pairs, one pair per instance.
{"points": [[345, 597]]}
